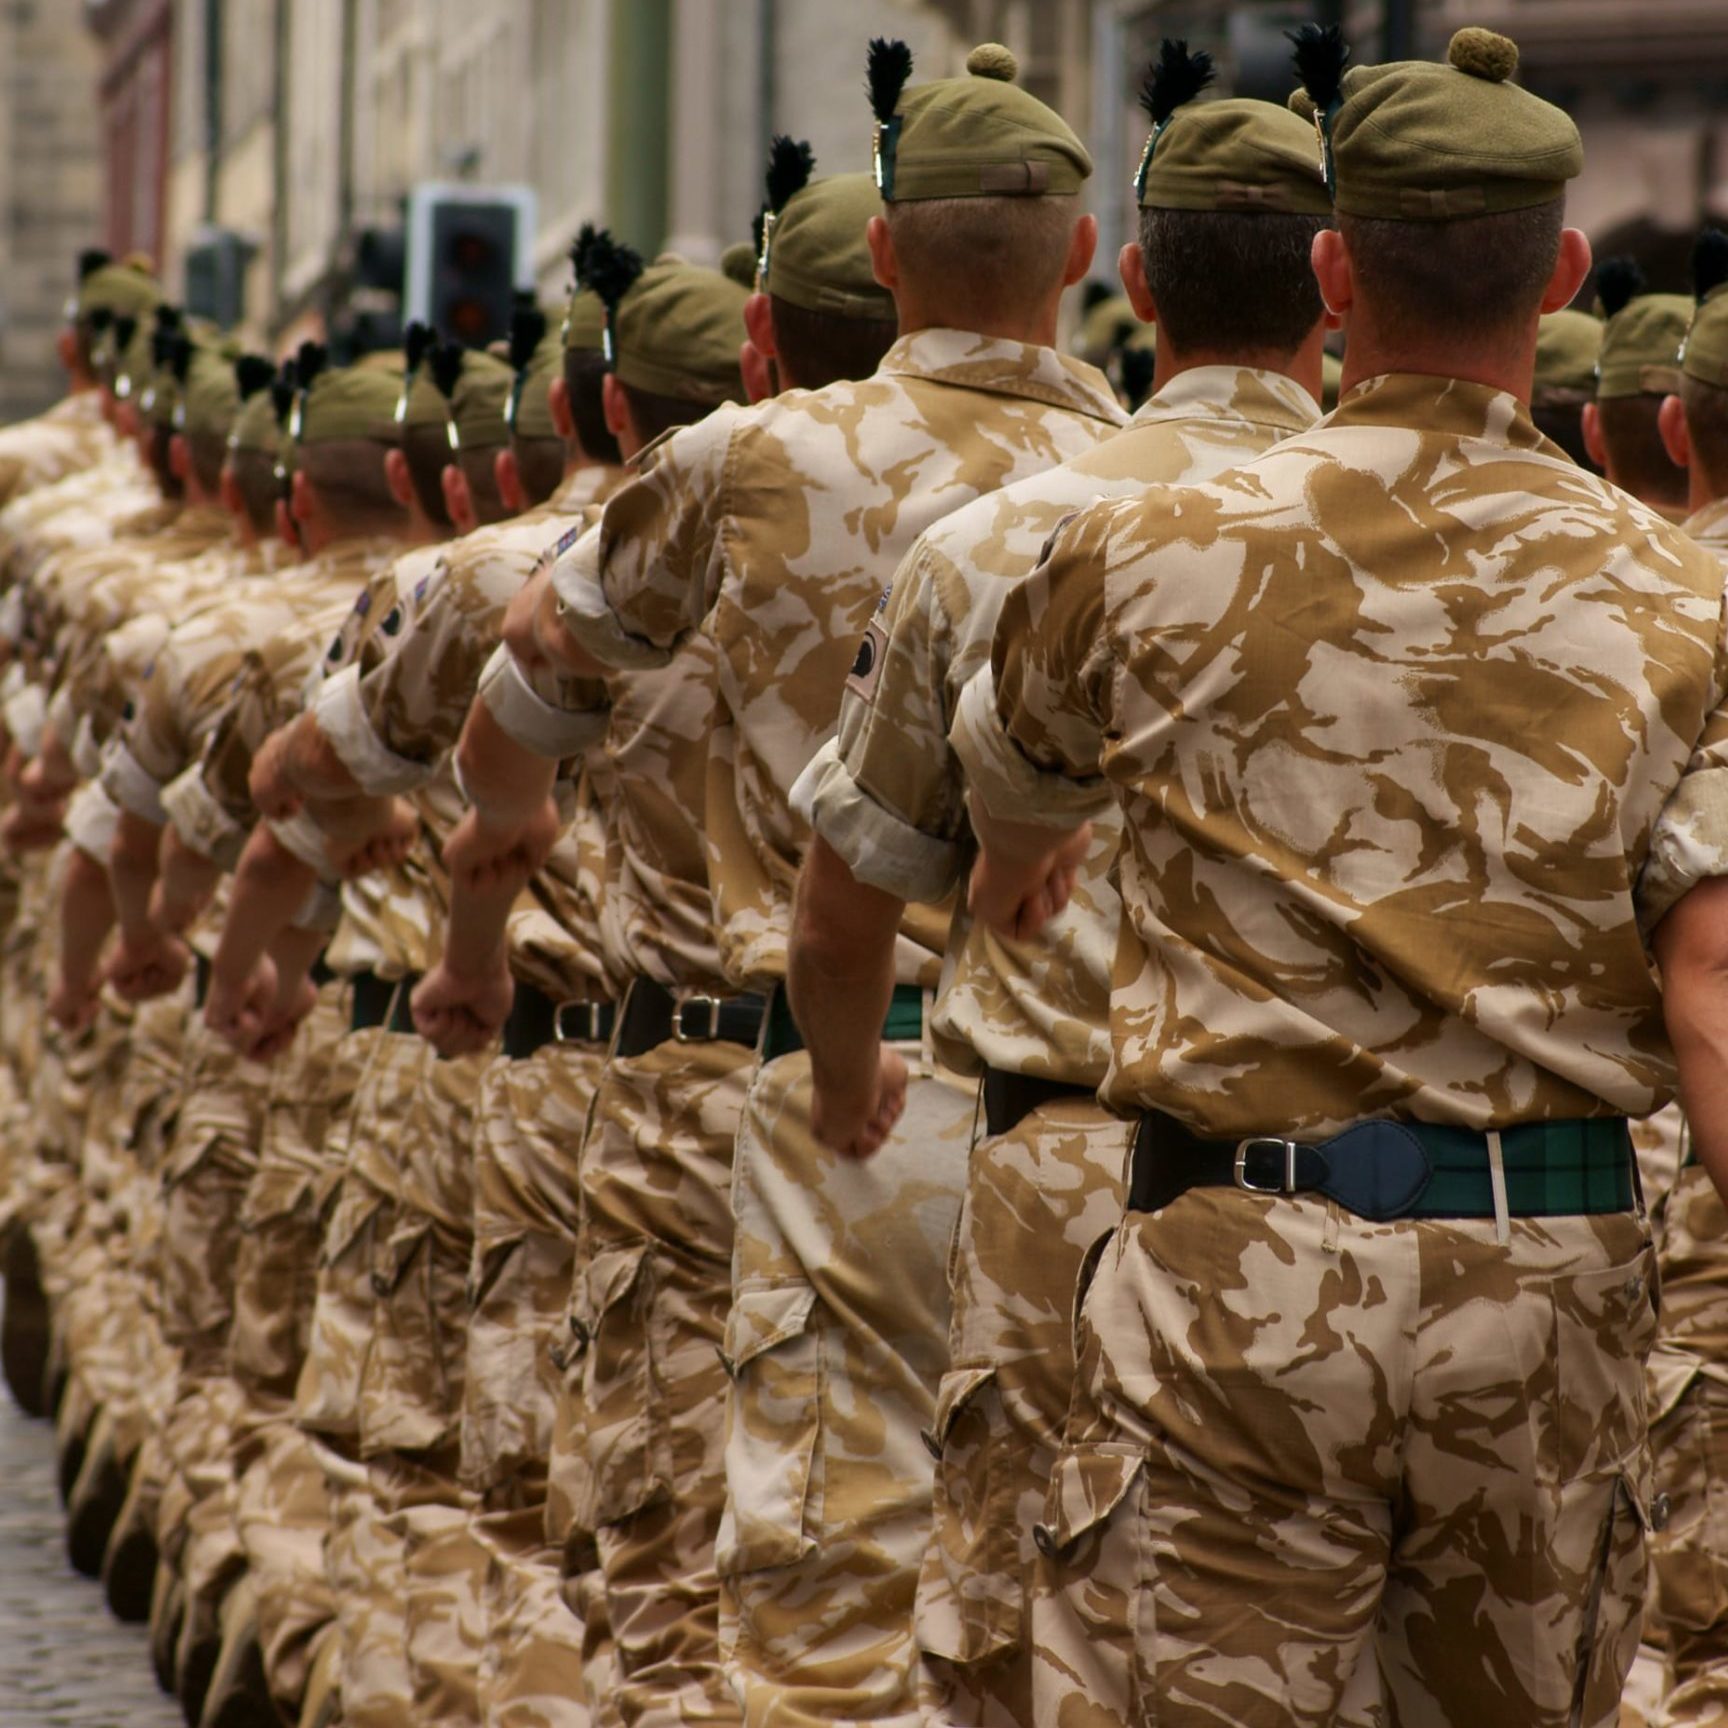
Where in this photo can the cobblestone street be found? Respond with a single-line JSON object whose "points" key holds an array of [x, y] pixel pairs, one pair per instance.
{"points": [[64, 1661]]}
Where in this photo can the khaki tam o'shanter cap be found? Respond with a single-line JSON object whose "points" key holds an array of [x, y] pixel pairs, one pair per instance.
{"points": [[1704, 355]]}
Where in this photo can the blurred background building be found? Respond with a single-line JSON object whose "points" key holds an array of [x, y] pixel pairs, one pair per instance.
{"points": [[264, 150]]}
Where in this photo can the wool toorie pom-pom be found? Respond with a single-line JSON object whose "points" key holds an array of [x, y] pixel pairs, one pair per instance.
{"points": [[1484, 54], [992, 60]]}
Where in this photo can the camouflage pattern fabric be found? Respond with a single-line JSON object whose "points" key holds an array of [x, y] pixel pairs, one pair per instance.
{"points": [[773, 530], [836, 1344], [1293, 1444], [1037, 1198], [1292, 829], [887, 793], [642, 1472], [70, 438]]}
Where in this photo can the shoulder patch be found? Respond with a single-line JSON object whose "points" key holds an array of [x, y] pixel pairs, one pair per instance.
{"points": [[560, 546], [866, 670]]}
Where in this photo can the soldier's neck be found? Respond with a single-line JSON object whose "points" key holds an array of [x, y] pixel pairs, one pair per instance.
{"points": [[1370, 353]]}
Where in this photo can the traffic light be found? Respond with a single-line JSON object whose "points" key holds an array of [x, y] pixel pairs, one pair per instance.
{"points": [[216, 264], [469, 248]]}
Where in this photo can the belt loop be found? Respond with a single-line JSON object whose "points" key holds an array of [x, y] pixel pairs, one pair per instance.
{"points": [[1497, 1179], [926, 1041]]}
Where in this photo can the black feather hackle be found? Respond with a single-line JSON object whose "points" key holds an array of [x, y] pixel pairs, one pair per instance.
{"points": [[180, 356], [92, 259], [447, 367], [1709, 261], [1176, 77], [887, 69], [1618, 282], [527, 329], [125, 328], [1320, 55], [283, 389], [416, 339], [252, 373], [791, 162], [309, 361], [758, 224], [608, 268]]}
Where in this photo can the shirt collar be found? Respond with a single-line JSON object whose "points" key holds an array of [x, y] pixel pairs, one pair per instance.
{"points": [[1709, 526], [1447, 407], [1006, 368], [1246, 393]]}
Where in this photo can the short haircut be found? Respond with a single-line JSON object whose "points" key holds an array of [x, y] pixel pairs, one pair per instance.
{"points": [[818, 348], [1232, 280], [254, 474], [652, 414], [208, 451], [1706, 408], [426, 446], [348, 476], [585, 378], [539, 465], [1637, 457], [480, 469], [983, 259], [1559, 415], [1465, 283]]}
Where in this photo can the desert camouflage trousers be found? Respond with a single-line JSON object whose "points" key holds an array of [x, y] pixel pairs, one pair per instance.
{"points": [[638, 1459], [1689, 1435], [1037, 1197], [1302, 1442], [837, 1342]]}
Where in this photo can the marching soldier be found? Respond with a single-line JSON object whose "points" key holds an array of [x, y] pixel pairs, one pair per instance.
{"points": [[1361, 1370]]}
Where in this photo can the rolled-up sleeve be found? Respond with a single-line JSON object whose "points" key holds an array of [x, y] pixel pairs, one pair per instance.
{"points": [[1689, 843]]}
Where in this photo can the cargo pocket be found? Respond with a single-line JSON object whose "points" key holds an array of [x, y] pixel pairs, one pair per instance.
{"points": [[1689, 1516], [406, 1400], [623, 1452], [275, 1280], [774, 1434], [1613, 1610], [503, 1392], [1096, 1556], [971, 1589]]}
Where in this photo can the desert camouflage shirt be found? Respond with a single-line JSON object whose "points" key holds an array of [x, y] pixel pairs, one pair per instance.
{"points": [[85, 509], [1397, 716], [210, 803], [888, 793], [768, 533], [69, 439], [395, 720]]}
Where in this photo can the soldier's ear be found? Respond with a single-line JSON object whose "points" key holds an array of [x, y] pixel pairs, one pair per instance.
{"points": [[1131, 265], [179, 458], [300, 504], [508, 476], [619, 423], [1082, 248], [458, 500], [1330, 258], [1676, 434], [398, 478], [558, 401], [233, 501], [1594, 442], [759, 325], [882, 260], [1571, 266]]}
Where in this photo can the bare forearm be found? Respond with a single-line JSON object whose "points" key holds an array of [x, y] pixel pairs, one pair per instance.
{"points": [[270, 886], [505, 783], [295, 949], [132, 865], [86, 917], [313, 768], [479, 920], [185, 882]]}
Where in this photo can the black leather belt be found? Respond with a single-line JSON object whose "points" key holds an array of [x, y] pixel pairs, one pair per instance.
{"points": [[382, 1002], [1010, 1098], [537, 1020], [653, 1016], [1383, 1170]]}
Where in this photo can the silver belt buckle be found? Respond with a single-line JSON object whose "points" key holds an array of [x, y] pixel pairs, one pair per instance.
{"points": [[712, 1004], [1244, 1147], [585, 1017]]}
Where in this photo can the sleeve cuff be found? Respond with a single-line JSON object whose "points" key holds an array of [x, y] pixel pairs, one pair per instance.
{"points": [[528, 718], [878, 847], [200, 820], [1689, 846], [342, 717], [1010, 786], [27, 719], [303, 837], [92, 818], [587, 614], [125, 781], [321, 909], [62, 714]]}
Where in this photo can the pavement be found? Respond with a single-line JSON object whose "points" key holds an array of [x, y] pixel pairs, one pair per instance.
{"points": [[65, 1662]]}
